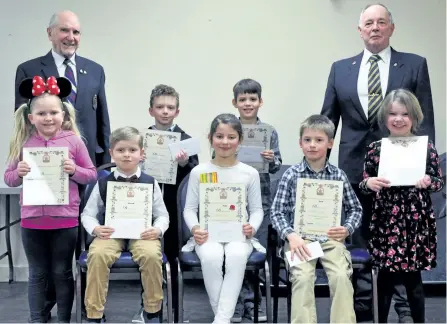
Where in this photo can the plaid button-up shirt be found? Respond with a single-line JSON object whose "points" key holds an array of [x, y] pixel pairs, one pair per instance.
{"points": [[283, 208]]}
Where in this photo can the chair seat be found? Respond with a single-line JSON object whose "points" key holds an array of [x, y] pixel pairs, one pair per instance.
{"points": [[125, 260], [192, 259], [360, 256]]}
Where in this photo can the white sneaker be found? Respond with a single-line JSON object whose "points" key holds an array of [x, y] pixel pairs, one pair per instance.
{"points": [[138, 317]]}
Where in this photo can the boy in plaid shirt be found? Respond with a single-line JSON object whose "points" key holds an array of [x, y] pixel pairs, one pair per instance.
{"points": [[316, 137]]}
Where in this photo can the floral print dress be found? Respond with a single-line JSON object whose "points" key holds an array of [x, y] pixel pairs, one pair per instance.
{"points": [[403, 226]]}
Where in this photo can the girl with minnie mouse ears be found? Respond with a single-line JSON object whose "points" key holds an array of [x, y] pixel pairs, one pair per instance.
{"points": [[40, 94], [49, 232]]}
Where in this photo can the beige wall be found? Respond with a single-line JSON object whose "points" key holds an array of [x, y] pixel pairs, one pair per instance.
{"points": [[203, 47]]}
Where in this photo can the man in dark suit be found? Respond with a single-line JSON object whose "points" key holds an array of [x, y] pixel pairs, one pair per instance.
{"points": [[355, 89], [88, 95], [88, 78]]}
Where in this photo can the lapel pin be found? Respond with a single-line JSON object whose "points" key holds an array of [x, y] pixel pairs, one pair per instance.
{"points": [[353, 63], [83, 71], [395, 64]]}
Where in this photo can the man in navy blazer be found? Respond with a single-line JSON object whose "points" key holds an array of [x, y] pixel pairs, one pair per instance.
{"points": [[90, 103], [92, 116], [347, 98]]}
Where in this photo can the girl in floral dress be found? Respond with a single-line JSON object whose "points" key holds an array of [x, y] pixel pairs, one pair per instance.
{"points": [[403, 227]]}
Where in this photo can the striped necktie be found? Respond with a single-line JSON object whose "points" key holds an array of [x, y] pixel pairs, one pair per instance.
{"points": [[70, 76], [374, 88]]}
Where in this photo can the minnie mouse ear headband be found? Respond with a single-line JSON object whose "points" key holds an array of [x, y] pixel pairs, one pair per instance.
{"points": [[30, 88]]}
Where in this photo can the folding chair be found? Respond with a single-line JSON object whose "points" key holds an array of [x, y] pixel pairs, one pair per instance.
{"points": [[360, 260], [189, 261], [124, 264]]}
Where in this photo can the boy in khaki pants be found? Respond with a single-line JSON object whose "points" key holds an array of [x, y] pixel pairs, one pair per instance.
{"points": [[126, 149], [316, 137]]}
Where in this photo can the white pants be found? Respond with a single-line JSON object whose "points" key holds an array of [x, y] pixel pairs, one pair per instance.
{"points": [[223, 292]]}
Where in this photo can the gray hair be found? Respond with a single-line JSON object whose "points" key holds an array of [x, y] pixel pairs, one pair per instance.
{"points": [[377, 4], [228, 119], [318, 122], [405, 98], [126, 133], [53, 20]]}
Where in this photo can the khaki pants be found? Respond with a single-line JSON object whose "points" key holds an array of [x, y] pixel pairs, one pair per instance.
{"points": [[101, 256], [337, 264]]}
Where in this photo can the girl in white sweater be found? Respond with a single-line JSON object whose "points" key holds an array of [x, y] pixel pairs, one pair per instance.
{"points": [[225, 136]]}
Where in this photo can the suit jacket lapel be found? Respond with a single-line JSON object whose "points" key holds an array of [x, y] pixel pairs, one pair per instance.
{"points": [[353, 75], [48, 66], [82, 75], [396, 73]]}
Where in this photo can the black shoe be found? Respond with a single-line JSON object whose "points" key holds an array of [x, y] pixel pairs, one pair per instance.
{"points": [[152, 317], [45, 319], [364, 316], [96, 320]]}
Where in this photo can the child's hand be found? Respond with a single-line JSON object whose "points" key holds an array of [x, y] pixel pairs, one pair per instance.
{"points": [[298, 247], [338, 233], [200, 236], [182, 158], [103, 232], [153, 233], [268, 155], [69, 166], [23, 169], [248, 230], [377, 183], [424, 183]]}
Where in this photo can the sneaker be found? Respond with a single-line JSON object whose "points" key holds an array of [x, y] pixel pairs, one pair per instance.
{"points": [[138, 317], [262, 317], [237, 316], [405, 318], [96, 320], [152, 317]]}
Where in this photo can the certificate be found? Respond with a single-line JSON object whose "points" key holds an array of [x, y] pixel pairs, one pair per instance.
{"points": [[46, 183], [159, 162], [256, 135], [318, 207], [129, 208], [223, 211], [403, 159]]}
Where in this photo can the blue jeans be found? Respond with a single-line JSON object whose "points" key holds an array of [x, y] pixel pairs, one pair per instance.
{"points": [[50, 255]]}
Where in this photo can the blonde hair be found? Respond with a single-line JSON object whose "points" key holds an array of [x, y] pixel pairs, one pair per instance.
{"points": [[23, 127], [405, 98]]}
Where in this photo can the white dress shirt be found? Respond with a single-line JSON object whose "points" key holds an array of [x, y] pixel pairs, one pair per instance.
{"points": [[59, 61], [362, 81], [95, 206]]}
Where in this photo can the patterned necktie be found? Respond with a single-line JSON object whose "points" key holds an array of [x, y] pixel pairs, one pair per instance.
{"points": [[374, 88], [70, 76], [133, 178]]}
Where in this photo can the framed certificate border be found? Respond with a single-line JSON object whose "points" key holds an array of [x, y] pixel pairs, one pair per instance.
{"points": [[112, 192], [47, 153], [264, 134], [320, 188], [162, 139], [223, 189]]}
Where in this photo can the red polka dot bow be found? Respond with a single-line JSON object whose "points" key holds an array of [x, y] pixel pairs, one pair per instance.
{"points": [[39, 86]]}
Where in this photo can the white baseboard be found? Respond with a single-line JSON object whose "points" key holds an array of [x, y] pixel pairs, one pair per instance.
{"points": [[20, 273]]}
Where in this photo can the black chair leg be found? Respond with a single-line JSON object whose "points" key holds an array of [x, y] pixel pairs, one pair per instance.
{"points": [[178, 314], [275, 280], [289, 299], [256, 301]]}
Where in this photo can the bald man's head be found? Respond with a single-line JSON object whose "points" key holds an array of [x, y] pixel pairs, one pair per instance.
{"points": [[64, 32]]}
